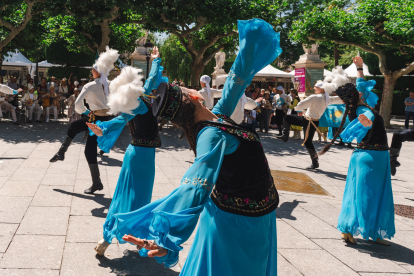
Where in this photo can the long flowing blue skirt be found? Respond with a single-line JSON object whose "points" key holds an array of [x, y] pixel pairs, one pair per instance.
{"points": [[134, 187], [229, 244], [368, 205]]}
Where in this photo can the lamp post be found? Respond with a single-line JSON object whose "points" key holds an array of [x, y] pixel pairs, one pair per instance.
{"points": [[148, 55]]}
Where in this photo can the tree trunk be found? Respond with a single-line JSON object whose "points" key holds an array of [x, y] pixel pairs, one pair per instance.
{"points": [[387, 95], [336, 55], [196, 70]]}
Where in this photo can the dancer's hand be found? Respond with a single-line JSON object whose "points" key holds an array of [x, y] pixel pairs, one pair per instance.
{"points": [[155, 250], [155, 53], [358, 61], [364, 120], [97, 130]]}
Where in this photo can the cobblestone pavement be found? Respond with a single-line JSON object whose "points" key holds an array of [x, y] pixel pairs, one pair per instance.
{"points": [[48, 226]]}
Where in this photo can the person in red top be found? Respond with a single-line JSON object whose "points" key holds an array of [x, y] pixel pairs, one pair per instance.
{"points": [[73, 82]]}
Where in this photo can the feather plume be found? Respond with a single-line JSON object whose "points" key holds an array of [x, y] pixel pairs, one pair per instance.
{"points": [[105, 63], [125, 90], [340, 76], [328, 85]]}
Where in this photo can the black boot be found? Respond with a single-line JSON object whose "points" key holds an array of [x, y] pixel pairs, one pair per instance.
{"points": [[314, 157], [285, 132], [101, 153], [96, 180], [60, 155], [394, 153]]}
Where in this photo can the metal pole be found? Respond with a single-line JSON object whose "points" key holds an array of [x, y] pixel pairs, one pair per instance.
{"points": [[37, 69], [148, 60]]}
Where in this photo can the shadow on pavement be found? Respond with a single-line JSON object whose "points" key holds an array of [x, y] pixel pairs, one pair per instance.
{"points": [[333, 175], [98, 198], [132, 264], [285, 209], [395, 252]]}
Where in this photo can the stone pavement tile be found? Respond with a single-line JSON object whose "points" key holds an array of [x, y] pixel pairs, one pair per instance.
{"points": [[56, 196], [12, 161], [134, 264], [2, 181], [29, 272], [301, 200], [18, 152], [309, 225], [81, 259], [162, 190], [85, 229], [316, 262], [28, 173], [35, 163], [7, 231], [335, 191], [90, 205], [45, 221], [167, 162], [407, 221], [328, 214], [82, 184], [161, 177], [359, 262], [383, 274], [64, 179], [286, 268], [20, 187], [34, 251], [400, 189], [288, 237], [62, 167], [12, 209], [409, 268], [7, 171], [174, 172], [401, 226]]}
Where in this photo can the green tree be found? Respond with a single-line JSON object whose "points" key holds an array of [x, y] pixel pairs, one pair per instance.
{"points": [[373, 26], [203, 27], [93, 25]]}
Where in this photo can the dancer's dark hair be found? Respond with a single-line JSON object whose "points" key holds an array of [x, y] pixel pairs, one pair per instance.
{"points": [[349, 106], [185, 120]]}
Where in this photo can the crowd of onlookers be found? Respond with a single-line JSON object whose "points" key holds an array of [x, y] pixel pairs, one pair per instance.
{"points": [[38, 102], [273, 104]]}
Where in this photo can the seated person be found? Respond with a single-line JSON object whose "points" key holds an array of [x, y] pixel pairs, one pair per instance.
{"points": [[30, 100], [5, 91], [53, 103]]}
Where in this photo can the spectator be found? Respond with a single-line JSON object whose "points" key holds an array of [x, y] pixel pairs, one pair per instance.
{"points": [[261, 93], [250, 119], [72, 115], [5, 92], [42, 93], [73, 82], [51, 82], [196, 88], [25, 83], [53, 103], [13, 99], [281, 102], [266, 106], [174, 82], [30, 100], [409, 109], [81, 86], [63, 93], [247, 92], [221, 86], [214, 87]]}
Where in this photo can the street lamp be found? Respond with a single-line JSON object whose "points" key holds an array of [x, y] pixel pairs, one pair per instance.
{"points": [[148, 55]]}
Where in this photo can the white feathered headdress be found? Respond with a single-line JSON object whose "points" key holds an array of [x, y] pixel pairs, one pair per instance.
{"points": [[332, 82], [104, 64], [125, 91]]}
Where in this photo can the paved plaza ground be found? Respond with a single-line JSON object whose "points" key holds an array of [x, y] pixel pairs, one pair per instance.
{"points": [[49, 227]]}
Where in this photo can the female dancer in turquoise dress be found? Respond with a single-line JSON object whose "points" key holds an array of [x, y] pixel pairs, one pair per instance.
{"points": [[136, 179], [367, 205], [237, 229]]}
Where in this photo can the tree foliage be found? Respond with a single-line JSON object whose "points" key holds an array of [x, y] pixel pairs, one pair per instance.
{"points": [[373, 26], [57, 52], [203, 27]]}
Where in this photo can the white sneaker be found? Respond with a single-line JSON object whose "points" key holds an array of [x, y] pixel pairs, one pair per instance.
{"points": [[47, 120]]}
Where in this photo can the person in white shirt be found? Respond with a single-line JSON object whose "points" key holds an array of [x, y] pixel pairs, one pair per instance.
{"points": [[4, 104], [51, 82], [281, 101], [315, 105], [250, 119], [30, 99], [54, 103], [95, 93]]}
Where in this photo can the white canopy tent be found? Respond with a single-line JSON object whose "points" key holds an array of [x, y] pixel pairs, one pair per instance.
{"points": [[272, 72], [16, 59]]}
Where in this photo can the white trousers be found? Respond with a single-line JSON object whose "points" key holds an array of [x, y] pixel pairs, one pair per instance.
{"points": [[54, 111], [30, 110]]}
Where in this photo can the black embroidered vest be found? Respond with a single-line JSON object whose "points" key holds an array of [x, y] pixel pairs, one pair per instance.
{"points": [[144, 128], [376, 137], [244, 185]]}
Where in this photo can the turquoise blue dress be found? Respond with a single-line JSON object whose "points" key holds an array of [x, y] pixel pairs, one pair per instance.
{"points": [[136, 179], [367, 205], [225, 243]]}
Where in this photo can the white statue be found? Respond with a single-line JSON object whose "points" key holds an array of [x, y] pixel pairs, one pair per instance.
{"points": [[311, 51], [220, 59]]}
